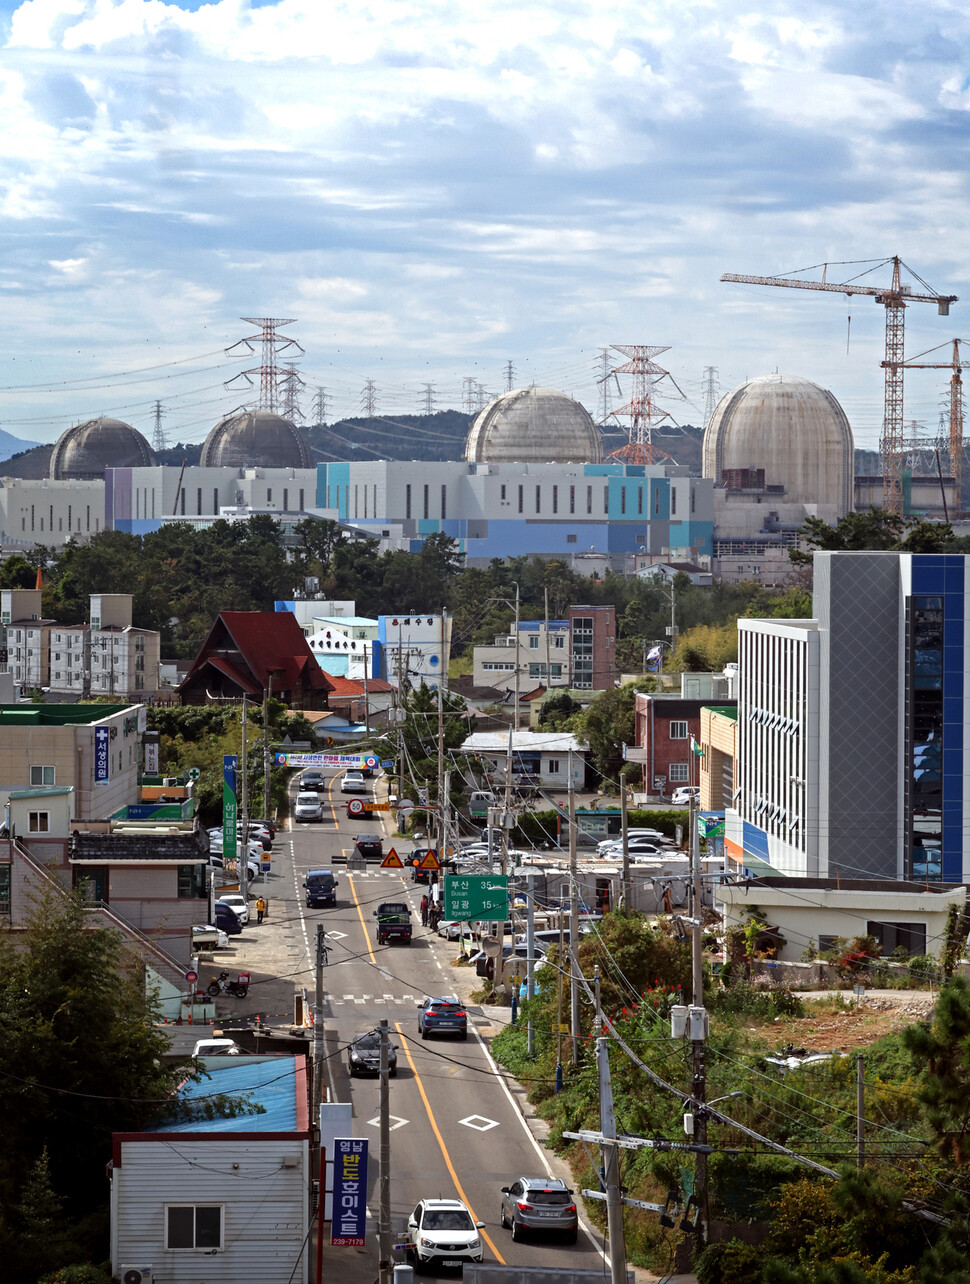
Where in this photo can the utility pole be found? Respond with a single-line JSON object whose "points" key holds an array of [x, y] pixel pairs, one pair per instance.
{"points": [[516, 674], [697, 1024], [384, 1239], [611, 1166], [318, 1030], [545, 595], [242, 844], [573, 920], [860, 1119], [530, 949], [442, 853], [267, 751], [625, 840], [597, 1006]]}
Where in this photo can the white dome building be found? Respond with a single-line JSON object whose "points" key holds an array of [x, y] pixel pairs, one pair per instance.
{"points": [[534, 426], [790, 429]]}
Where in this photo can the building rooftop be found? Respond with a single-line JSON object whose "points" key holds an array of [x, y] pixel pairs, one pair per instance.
{"points": [[725, 710], [523, 741], [57, 715], [55, 791], [271, 1082]]}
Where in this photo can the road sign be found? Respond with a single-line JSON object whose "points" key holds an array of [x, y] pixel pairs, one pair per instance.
{"points": [[387, 762], [191, 977], [193, 773], [355, 807], [481, 896], [430, 862], [392, 861]]}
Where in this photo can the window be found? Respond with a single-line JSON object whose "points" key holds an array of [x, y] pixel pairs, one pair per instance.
{"points": [[589, 499], [4, 889], [407, 500], [656, 500], [572, 499], [678, 731], [426, 501], [301, 499], [893, 936], [639, 501], [286, 499], [538, 499], [195, 1228], [198, 502], [570, 539], [521, 489], [553, 767], [622, 500], [41, 777], [502, 493], [534, 642], [191, 882], [555, 499], [559, 642], [606, 499], [677, 773], [673, 500], [444, 503], [38, 822]]}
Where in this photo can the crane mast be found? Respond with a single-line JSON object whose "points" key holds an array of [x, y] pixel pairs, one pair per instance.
{"points": [[956, 407], [894, 299]]}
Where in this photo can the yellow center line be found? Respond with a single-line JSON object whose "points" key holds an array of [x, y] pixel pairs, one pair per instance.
{"points": [[441, 1142], [360, 915]]}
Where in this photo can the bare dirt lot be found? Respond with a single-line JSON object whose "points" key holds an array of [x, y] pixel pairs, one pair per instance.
{"points": [[858, 1023]]}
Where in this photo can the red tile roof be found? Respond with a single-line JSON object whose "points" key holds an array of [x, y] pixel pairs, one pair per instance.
{"points": [[265, 643], [341, 686]]}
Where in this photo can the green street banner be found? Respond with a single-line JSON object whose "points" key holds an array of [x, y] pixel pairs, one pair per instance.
{"points": [[229, 764]]}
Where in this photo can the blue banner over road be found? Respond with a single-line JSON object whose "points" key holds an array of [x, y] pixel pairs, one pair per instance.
{"points": [[349, 1192]]}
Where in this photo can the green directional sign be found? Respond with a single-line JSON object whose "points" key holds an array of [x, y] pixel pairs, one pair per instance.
{"points": [[481, 896]]}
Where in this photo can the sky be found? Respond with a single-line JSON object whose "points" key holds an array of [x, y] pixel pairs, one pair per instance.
{"points": [[430, 189]]}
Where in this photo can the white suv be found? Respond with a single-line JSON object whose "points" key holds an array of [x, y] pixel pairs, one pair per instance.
{"points": [[684, 795], [308, 807], [442, 1232]]}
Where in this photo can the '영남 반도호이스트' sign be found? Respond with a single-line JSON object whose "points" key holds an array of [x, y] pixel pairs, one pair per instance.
{"points": [[349, 1192]]}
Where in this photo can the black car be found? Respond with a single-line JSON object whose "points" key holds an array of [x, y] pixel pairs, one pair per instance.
{"points": [[321, 887], [364, 1055], [414, 859], [312, 781], [370, 846]]}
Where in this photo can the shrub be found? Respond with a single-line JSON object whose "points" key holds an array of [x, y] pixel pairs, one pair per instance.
{"points": [[752, 1000]]}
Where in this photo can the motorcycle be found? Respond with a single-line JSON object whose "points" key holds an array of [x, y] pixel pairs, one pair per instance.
{"points": [[222, 985]]}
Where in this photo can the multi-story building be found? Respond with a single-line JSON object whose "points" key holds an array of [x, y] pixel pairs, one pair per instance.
{"points": [[25, 641], [578, 652], [50, 512], [665, 727], [854, 726]]}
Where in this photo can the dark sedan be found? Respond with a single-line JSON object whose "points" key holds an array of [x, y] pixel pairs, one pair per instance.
{"points": [[364, 1055]]}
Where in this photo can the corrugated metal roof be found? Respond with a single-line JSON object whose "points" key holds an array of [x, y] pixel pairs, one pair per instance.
{"points": [[270, 1082]]}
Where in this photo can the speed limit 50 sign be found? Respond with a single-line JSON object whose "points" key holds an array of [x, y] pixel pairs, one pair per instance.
{"points": [[355, 807]]}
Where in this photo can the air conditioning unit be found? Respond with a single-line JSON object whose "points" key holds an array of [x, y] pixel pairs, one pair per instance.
{"points": [[136, 1275]]}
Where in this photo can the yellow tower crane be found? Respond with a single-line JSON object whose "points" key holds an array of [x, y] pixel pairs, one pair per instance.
{"points": [[894, 299]]}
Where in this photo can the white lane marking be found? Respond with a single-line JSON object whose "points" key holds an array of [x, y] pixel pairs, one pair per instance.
{"points": [[395, 1121], [479, 1123], [543, 1157], [337, 936]]}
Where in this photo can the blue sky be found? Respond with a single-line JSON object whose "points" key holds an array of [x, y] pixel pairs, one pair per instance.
{"points": [[435, 187]]}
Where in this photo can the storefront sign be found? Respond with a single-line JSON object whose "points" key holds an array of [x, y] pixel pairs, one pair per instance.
{"points": [[102, 741], [349, 1192], [230, 762]]}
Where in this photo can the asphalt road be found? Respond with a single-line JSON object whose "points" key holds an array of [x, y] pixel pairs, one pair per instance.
{"points": [[456, 1130]]}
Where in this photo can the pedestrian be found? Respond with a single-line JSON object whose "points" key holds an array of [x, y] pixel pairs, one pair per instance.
{"points": [[424, 911], [260, 909]]}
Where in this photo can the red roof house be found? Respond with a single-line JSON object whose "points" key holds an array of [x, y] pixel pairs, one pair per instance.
{"points": [[252, 652]]}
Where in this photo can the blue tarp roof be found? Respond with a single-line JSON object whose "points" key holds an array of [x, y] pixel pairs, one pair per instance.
{"points": [[271, 1083]]}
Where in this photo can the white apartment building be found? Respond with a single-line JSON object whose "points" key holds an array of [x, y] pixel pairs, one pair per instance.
{"points": [[542, 656]]}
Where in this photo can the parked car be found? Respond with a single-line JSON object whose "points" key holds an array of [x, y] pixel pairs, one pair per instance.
{"points": [[226, 920], [253, 847], [442, 1016], [683, 794], [308, 807], [217, 1048], [208, 936], [353, 783], [636, 847], [654, 834], [539, 1204], [442, 1232], [370, 846], [312, 781], [451, 930], [268, 825], [253, 868], [238, 904], [321, 887], [364, 1055]]}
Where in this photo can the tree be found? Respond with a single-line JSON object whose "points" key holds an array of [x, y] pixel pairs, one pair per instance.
{"points": [[876, 528], [941, 1052], [17, 572], [606, 725]]}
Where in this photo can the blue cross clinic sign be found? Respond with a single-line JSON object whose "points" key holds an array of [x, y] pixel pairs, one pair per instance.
{"points": [[102, 755], [229, 764], [349, 1209]]}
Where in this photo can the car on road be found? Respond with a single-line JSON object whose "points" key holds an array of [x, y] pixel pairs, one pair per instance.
{"points": [[683, 794], [353, 783], [393, 922], [414, 858], [237, 904], [370, 846], [321, 887], [217, 1048], [442, 1016], [208, 936], [364, 1055], [442, 1232], [312, 781], [308, 807], [539, 1204]]}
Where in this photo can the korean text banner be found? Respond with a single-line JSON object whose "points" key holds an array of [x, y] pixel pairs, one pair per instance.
{"points": [[102, 740], [349, 1192]]}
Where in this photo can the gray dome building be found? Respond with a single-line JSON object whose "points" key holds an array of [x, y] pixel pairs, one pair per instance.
{"points": [[256, 439], [789, 429], [83, 452], [534, 426]]}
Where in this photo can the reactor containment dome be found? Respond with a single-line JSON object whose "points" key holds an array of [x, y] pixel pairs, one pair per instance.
{"points": [[793, 430], [256, 439], [83, 452], [534, 426]]}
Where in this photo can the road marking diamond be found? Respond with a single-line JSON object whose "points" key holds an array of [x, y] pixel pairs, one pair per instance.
{"points": [[479, 1123], [395, 1122]]}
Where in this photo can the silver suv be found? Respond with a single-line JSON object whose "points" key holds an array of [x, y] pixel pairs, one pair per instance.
{"points": [[539, 1204]]}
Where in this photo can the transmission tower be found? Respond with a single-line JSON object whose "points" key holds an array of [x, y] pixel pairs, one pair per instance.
{"points": [[481, 396], [711, 392], [429, 398], [509, 376], [469, 395], [158, 436], [605, 381], [368, 398], [271, 345], [291, 385], [320, 400], [642, 409]]}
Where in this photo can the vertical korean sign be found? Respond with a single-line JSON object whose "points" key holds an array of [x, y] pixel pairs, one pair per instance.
{"points": [[349, 1192], [102, 741], [229, 764]]}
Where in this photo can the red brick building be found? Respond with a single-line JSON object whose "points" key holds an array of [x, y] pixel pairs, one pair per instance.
{"points": [[664, 727], [592, 642]]}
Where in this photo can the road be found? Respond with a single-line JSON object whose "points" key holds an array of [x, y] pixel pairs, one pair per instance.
{"points": [[456, 1128]]}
